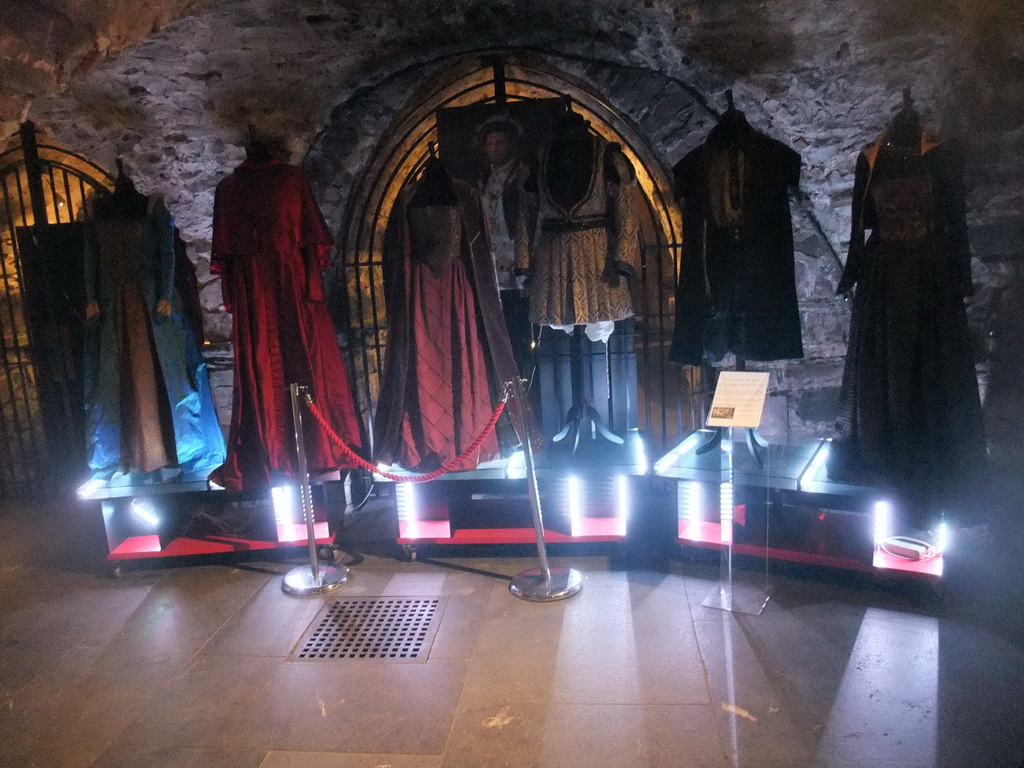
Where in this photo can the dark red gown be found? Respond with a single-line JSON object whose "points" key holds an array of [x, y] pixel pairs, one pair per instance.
{"points": [[448, 351], [269, 247]]}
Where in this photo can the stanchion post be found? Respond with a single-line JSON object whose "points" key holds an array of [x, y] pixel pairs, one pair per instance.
{"points": [[544, 584], [312, 579]]}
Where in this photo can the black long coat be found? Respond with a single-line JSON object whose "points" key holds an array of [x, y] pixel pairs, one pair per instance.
{"points": [[736, 290], [910, 415]]}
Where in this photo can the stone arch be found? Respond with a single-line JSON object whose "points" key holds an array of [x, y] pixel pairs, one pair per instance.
{"points": [[357, 199]]}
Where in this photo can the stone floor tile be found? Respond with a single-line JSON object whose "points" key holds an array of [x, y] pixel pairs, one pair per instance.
{"points": [[39, 626], [371, 706], [346, 760], [584, 736], [72, 712], [269, 624], [122, 755]]}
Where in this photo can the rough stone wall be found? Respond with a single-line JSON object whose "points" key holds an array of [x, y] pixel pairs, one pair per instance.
{"points": [[46, 46], [824, 77]]}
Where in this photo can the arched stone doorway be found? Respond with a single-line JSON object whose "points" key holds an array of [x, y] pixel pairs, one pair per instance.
{"points": [[668, 404]]}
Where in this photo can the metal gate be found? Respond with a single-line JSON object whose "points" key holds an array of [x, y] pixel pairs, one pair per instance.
{"points": [[668, 399], [43, 194]]}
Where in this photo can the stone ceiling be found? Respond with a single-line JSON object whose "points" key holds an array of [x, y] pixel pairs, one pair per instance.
{"points": [[44, 46]]}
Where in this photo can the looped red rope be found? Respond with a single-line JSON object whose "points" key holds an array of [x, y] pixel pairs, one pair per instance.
{"points": [[449, 466]]}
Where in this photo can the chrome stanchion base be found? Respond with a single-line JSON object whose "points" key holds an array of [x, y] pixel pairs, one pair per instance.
{"points": [[300, 581], [560, 583]]}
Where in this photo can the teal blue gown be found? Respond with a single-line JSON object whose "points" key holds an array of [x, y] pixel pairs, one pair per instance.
{"points": [[147, 393]]}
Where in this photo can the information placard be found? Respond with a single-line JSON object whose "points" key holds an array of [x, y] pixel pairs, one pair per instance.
{"points": [[739, 399]]}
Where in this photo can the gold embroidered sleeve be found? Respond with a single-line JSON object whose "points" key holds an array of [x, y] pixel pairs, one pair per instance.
{"points": [[624, 253], [526, 225]]}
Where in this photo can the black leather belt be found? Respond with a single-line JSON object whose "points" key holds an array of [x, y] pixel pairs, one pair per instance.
{"points": [[574, 225]]}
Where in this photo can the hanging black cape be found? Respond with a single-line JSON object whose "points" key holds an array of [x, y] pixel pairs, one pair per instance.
{"points": [[736, 290]]}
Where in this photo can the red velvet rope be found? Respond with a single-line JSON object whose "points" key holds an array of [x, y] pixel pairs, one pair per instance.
{"points": [[445, 469]]}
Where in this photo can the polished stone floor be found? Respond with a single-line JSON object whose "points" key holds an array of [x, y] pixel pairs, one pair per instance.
{"points": [[189, 666]]}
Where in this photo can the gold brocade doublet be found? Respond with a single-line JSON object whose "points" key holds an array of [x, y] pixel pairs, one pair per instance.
{"points": [[584, 250]]}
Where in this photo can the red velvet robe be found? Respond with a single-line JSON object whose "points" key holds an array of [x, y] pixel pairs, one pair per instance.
{"points": [[269, 247]]}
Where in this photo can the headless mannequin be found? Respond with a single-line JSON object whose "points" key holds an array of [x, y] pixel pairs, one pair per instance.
{"points": [[435, 187], [257, 151], [733, 127], [567, 177], [434, 206], [902, 146], [125, 202], [568, 171], [733, 122]]}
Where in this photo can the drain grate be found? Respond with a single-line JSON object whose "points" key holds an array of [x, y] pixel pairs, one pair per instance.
{"points": [[399, 629]]}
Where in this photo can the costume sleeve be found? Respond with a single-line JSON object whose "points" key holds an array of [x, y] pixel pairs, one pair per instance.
{"points": [[525, 223], [788, 165], [624, 255], [163, 226], [855, 257], [313, 237], [222, 252], [955, 214]]}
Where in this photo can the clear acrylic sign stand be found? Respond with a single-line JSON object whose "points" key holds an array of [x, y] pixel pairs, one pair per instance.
{"points": [[738, 403]]}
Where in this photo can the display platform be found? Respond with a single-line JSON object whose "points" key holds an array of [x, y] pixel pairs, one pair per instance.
{"points": [[783, 505], [586, 495], [178, 517]]}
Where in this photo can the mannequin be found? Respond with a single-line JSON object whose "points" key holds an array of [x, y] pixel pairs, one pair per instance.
{"points": [[910, 414], [148, 400], [256, 150], [448, 350], [269, 247], [588, 243], [586, 249], [737, 287]]}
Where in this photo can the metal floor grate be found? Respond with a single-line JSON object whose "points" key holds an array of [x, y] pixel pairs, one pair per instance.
{"points": [[398, 629]]}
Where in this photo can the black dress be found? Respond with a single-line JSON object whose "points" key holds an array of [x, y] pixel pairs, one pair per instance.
{"points": [[910, 415]]}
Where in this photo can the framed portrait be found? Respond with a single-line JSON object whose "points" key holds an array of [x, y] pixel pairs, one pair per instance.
{"points": [[466, 135]]}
